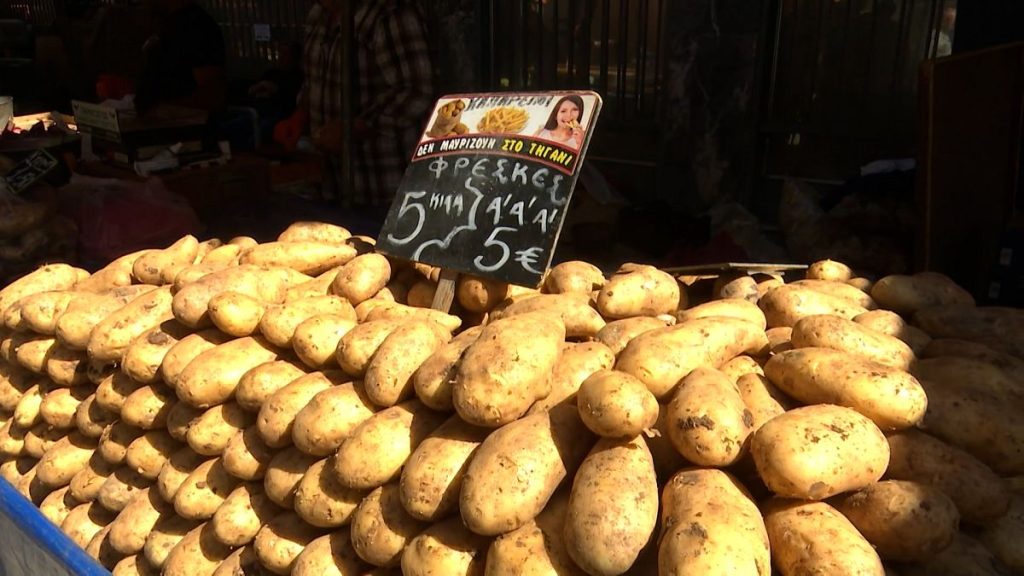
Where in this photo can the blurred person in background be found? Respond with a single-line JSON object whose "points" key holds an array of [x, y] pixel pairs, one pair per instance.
{"points": [[393, 88]]}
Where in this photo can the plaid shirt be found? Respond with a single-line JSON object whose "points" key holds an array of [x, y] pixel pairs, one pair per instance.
{"points": [[395, 92]]}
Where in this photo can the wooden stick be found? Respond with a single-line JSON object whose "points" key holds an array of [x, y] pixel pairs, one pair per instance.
{"points": [[445, 293]]}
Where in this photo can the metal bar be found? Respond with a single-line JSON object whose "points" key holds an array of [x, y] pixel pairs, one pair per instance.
{"points": [[605, 14]]}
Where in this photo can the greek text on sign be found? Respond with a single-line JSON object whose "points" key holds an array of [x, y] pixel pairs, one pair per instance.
{"points": [[490, 181]]}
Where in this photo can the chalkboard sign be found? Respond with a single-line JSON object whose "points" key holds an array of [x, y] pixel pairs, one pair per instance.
{"points": [[29, 171], [489, 183]]}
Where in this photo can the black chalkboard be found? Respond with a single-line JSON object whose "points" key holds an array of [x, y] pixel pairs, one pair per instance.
{"points": [[30, 170], [485, 203]]}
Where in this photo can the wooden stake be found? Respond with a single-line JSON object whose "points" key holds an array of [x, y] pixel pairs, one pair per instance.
{"points": [[445, 293]]}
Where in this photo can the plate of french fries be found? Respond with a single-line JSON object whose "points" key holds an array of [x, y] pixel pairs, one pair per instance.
{"points": [[503, 120]]}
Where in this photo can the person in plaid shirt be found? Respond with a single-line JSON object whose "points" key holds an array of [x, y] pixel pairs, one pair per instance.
{"points": [[394, 94]]}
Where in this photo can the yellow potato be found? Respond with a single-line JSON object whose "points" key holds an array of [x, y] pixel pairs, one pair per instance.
{"points": [[279, 322], [91, 418], [432, 477], [891, 324], [185, 350], [204, 490], [616, 405], [212, 377], [432, 381], [816, 452], [358, 345], [225, 254], [739, 309], [829, 270], [908, 294], [14, 470], [235, 313], [331, 555], [85, 485], [308, 257], [59, 405], [577, 362], [180, 419], [167, 533], [741, 366], [551, 444], [120, 488], [147, 407], [318, 286], [316, 339], [536, 548], [329, 417], [444, 548], [618, 333], [814, 538], [160, 266], [191, 303], [117, 274], [574, 276], [134, 565], [58, 505], [708, 422], [762, 398], [114, 389], [839, 290], [362, 277], [260, 382], [397, 311], [82, 315], [638, 291], [39, 312], [505, 370], [212, 431], [1003, 536], [315, 232], [49, 277], [247, 456], [477, 294], [388, 378], [824, 331], [198, 552], [381, 528], [64, 459], [284, 473], [277, 416], [40, 438], [26, 413], [14, 382], [129, 530], [321, 501], [85, 521], [110, 339], [67, 367], [175, 471], [280, 542], [148, 453], [243, 513], [34, 352], [784, 305], [114, 442], [575, 312]]}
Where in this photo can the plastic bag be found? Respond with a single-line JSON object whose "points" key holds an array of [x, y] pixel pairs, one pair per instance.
{"points": [[116, 217]]}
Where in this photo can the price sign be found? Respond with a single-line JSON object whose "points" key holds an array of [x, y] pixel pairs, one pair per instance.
{"points": [[490, 181], [29, 171]]}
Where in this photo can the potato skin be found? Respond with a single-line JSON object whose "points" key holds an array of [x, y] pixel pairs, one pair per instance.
{"points": [[212, 377], [732, 308], [662, 357], [642, 291], [247, 456], [110, 339], [305, 256], [892, 324], [381, 527], [762, 398], [389, 375], [199, 552], [284, 473], [432, 381], [1003, 536], [476, 294], [276, 418], [129, 530], [279, 322], [432, 477], [210, 433], [825, 331], [829, 270], [280, 542], [840, 290], [176, 470], [505, 370], [710, 525], [580, 319], [616, 405], [707, 421], [260, 382], [321, 501], [204, 490], [907, 294], [536, 548], [578, 361], [329, 417], [362, 277], [818, 451], [814, 538], [613, 506], [979, 494], [65, 459], [235, 313], [316, 339], [905, 521], [329, 555], [786, 304], [617, 333], [91, 419], [247, 509], [552, 444], [444, 548], [306, 231], [890, 397]]}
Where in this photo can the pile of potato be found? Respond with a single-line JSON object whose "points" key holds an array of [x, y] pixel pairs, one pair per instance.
{"points": [[296, 407]]}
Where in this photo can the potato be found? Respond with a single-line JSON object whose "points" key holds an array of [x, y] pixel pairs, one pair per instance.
{"points": [[376, 450], [329, 417], [477, 294], [247, 456], [829, 270], [362, 277], [279, 322], [148, 453], [401, 312], [11, 320], [39, 312], [316, 339], [120, 488], [134, 565], [182, 352], [329, 555], [40, 438], [84, 521], [640, 291], [318, 286], [192, 302], [505, 370], [129, 530], [98, 370], [180, 420], [117, 274], [891, 324], [613, 507], [147, 407], [58, 406], [710, 525], [75, 326], [243, 513], [114, 442], [14, 470], [58, 505], [113, 391], [814, 538], [235, 313], [210, 434], [67, 367], [259, 383], [314, 232], [908, 294], [762, 398], [160, 266], [225, 255], [175, 471], [973, 414], [1011, 366], [1003, 536], [34, 490], [662, 357], [738, 309], [34, 352], [388, 377], [49, 277], [358, 345], [616, 405], [891, 398], [618, 333], [979, 494], [999, 328], [444, 548], [198, 552], [281, 541], [786, 304], [99, 549], [321, 501], [432, 477], [204, 490], [64, 459], [381, 527], [574, 276], [110, 339], [965, 557], [736, 286], [14, 382], [277, 416], [212, 377], [85, 485], [905, 521], [308, 257], [284, 473], [537, 547], [708, 422], [575, 312], [421, 294], [824, 331], [196, 272], [432, 381], [550, 444], [241, 561], [168, 532], [839, 290], [577, 362], [816, 452]]}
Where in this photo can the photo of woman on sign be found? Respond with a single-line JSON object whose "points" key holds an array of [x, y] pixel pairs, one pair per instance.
{"points": [[563, 126]]}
